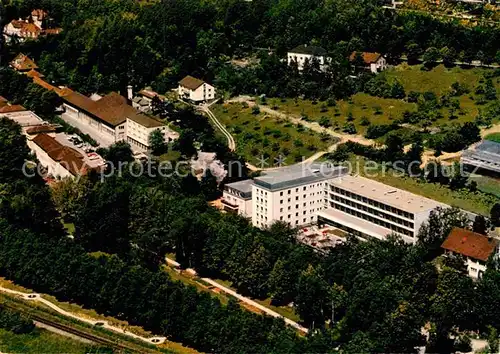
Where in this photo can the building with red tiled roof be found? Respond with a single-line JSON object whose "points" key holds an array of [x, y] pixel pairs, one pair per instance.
{"points": [[60, 160], [373, 61], [474, 247], [23, 63], [12, 108], [31, 27]]}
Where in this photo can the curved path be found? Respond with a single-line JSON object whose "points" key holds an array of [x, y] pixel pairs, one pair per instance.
{"points": [[99, 323], [243, 298], [230, 140]]}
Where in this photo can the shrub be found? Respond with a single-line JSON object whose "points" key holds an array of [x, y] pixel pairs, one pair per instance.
{"points": [[325, 122], [323, 108], [255, 110], [349, 128], [364, 121]]}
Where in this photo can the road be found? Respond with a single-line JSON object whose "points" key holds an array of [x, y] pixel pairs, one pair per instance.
{"points": [[244, 299]]}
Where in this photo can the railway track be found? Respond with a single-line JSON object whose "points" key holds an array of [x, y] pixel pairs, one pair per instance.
{"points": [[117, 346]]}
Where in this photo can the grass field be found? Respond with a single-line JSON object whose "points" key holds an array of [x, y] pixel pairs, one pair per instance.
{"points": [[260, 135], [493, 137], [487, 184], [477, 202], [42, 341], [384, 110]]}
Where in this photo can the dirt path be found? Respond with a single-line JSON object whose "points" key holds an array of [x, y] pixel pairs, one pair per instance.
{"points": [[100, 323], [492, 130], [242, 298]]}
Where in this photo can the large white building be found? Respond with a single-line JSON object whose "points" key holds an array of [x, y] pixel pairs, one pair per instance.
{"points": [[292, 194], [113, 115], [322, 194], [368, 208], [195, 90], [306, 53]]}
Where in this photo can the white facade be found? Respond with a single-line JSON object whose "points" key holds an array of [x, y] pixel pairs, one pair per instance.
{"points": [[297, 206], [54, 168], [138, 134], [379, 65], [118, 132], [300, 59], [205, 92], [237, 202], [373, 209]]}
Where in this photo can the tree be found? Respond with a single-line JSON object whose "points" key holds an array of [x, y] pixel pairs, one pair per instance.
{"points": [[397, 90], [495, 214], [13, 150], [449, 56], [280, 284], [480, 225], [433, 232], [185, 143], [413, 51], [458, 180], [209, 186], [312, 297], [157, 142], [431, 56], [119, 152]]}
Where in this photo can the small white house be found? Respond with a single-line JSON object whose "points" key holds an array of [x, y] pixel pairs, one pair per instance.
{"points": [[195, 90], [375, 62], [474, 247], [237, 198], [303, 53]]}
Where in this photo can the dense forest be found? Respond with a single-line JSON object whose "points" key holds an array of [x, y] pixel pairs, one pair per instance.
{"points": [[107, 45]]}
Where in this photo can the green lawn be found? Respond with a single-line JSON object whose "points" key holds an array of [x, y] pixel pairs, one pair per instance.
{"points": [[42, 341], [383, 110], [261, 135], [487, 184], [493, 137], [477, 202]]}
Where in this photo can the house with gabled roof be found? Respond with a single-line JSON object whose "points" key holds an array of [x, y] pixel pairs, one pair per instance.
{"points": [[375, 62], [475, 248], [307, 53], [195, 90]]}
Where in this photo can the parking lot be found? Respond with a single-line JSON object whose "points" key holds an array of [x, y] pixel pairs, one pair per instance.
{"points": [[91, 158]]}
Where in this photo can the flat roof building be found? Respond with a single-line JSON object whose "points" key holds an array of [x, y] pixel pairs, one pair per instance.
{"points": [[486, 155], [365, 207], [291, 194]]}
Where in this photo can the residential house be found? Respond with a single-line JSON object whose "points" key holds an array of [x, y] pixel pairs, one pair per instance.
{"points": [[474, 247], [375, 62], [237, 198], [195, 90], [23, 64], [143, 99], [306, 53], [30, 28]]}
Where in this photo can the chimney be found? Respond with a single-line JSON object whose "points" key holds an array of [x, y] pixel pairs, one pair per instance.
{"points": [[130, 93]]}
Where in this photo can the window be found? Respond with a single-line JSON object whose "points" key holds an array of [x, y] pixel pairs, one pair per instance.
{"points": [[289, 207], [289, 216], [304, 220], [304, 188], [297, 198], [296, 206], [281, 194], [281, 210], [305, 204], [281, 201], [289, 191], [305, 196], [281, 218]]}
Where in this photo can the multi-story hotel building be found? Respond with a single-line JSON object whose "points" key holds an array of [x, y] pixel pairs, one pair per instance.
{"points": [[368, 208], [292, 194], [301, 195]]}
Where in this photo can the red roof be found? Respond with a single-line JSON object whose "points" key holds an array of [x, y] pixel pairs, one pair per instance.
{"points": [[470, 244], [12, 108], [69, 158], [368, 57], [23, 63], [191, 83]]}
